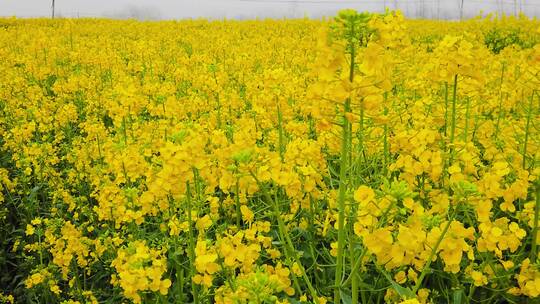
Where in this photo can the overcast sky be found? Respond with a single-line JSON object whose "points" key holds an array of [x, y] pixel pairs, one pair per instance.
{"points": [[174, 9]]}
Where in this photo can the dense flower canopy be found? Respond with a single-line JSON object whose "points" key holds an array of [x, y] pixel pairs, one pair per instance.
{"points": [[367, 158]]}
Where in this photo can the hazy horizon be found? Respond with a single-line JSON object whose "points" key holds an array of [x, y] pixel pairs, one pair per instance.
{"points": [[249, 9]]}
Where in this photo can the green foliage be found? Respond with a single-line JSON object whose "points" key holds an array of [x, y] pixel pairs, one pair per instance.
{"points": [[498, 39]]}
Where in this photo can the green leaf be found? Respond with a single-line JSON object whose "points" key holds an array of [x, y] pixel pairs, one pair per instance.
{"points": [[403, 292], [345, 298], [457, 296]]}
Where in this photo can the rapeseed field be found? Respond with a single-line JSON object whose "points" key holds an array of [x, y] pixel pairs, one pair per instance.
{"points": [[366, 158]]}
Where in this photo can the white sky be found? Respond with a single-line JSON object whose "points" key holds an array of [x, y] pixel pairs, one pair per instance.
{"points": [[173, 9]]}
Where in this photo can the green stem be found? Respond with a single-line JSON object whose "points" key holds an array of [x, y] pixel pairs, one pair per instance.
{"points": [[40, 249], [471, 293], [467, 111], [361, 130], [445, 108], [218, 111], [280, 130], [296, 284], [124, 131], [454, 99], [290, 251], [355, 281], [341, 204], [345, 140], [386, 147], [355, 268], [527, 126], [534, 249], [180, 284], [229, 275], [237, 200], [354, 290], [432, 254], [99, 150], [191, 247]]}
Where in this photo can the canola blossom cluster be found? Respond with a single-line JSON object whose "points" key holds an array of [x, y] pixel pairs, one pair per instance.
{"points": [[365, 158]]}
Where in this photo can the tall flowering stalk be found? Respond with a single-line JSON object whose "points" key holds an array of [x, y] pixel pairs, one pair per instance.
{"points": [[353, 27]]}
